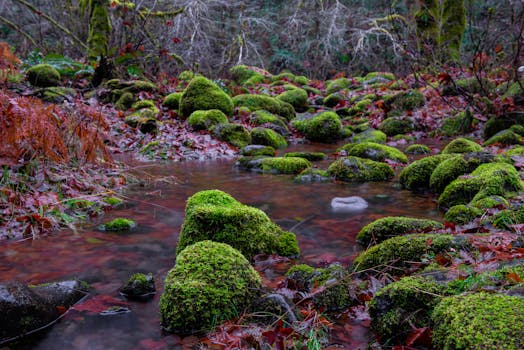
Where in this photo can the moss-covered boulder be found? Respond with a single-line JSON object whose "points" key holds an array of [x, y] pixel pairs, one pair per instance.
{"points": [[311, 156], [462, 214], [457, 124], [234, 134], [313, 175], [172, 101], [494, 125], [405, 101], [125, 101], [339, 84], [332, 100], [375, 151], [489, 179], [263, 117], [401, 253], [43, 75], [257, 150], [119, 86], [144, 119], [210, 282], [505, 137], [282, 165], [505, 219], [56, 94], [490, 202], [417, 149], [447, 171], [403, 305], [118, 224], [394, 126], [268, 103], [139, 286], [416, 176], [206, 120], [355, 169], [217, 216], [479, 321], [202, 94], [370, 135], [243, 75], [298, 98], [324, 127], [461, 145], [385, 228], [268, 137]]}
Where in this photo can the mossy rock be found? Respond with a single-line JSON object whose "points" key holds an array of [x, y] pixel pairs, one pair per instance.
{"points": [[210, 282], [490, 202], [206, 120], [172, 101], [234, 134], [202, 94], [298, 98], [261, 117], [268, 103], [387, 76], [489, 179], [468, 85], [311, 156], [312, 175], [324, 127], [125, 101], [479, 321], [332, 100], [118, 224], [416, 176], [461, 145], [338, 84], [462, 214], [334, 280], [282, 165], [418, 149], [139, 286], [217, 216], [359, 107], [392, 226], [57, 94], [257, 150], [394, 126], [505, 219], [403, 305], [186, 75], [457, 124], [243, 74], [141, 104], [447, 171], [355, 169], [494, 125], [43, 75], [505, 137], [134, 86], [301, 80], [401, 253], [370, 135], [268, 137], [143, 119], [375, 151], [405, 101]]}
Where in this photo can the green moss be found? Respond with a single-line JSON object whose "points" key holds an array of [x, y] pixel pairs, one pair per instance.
{"points": [[43, 75], [494, 125], [457, 124], [257, 150], [375, 151], [267, 137], [381, 75], [211, 282], [488, 179], [354, 169], [417, 149], [490, 202], [99, 30], [206, 120], [403, 305], [241, 74], [234, 134], [203, 94], [505, 137], [384, 228], [139, 285], [143, 119], [125, 101], [262, 117], [186, 75], [393, 126], [517, 129], [479, 321], [370, 135], [324, 127], [311, 156], [112, 201], [297, 98], [301, 80], [504, 219], [405, 101], [462, 214], [57, 94], [215, 215], [312, 175], [417, 175], [283, 165], [144, 104], [338, 84], [472, 85], [268, 103], [447, 171], [333, 99], [398, 254], [461, 145], [118, 224]]}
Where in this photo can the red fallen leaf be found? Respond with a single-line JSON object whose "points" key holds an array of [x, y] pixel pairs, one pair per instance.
{"points": [[419, 336], [363, 297], [99, 303], [127, 23], [449, 225], [514, 277], [61, 309], [44, 222], [176, 40], [444, 77], [442, 260], [278, 335], [498, 48]]}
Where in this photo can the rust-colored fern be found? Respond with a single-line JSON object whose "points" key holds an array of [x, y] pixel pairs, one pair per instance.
{"points": [[8, 62]]}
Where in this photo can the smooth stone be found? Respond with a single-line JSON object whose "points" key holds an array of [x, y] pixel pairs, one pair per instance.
{"points": [[352, 203]]}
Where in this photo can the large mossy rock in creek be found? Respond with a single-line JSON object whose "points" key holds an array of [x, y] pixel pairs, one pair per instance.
{"points": [[234, 134], [206, 120], [461, 145], [296, 97], [215, 215], [479, 321], [268, 103], [375, 151], [210, 282], [355, 169], [392, 226], [491, 179], [370, 135], [324, 127], [267, 137], [274, 165], [25, 309], [416, 176], [396, 126], [201, 94], [43, 75]]}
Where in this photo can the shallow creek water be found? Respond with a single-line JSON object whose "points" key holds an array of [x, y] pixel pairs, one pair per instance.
{"points": [[107, 260]]}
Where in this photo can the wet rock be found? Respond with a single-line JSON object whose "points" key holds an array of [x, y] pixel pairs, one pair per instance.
{"points": [[139, 286], [345, 204], [272, 307]]}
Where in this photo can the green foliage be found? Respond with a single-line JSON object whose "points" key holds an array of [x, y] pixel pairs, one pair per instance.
{"points": [[324, 127], [417, 175], [43, 75], [66, 66], [354, 169], [375, 151], [206, 120], [267, 137], [203, 94]]}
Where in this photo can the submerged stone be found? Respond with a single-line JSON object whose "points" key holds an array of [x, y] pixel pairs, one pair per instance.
{"points": [[348, 204]]}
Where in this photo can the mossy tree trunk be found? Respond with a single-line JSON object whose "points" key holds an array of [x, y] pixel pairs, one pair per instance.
{"points": [[440, 27], [99, 28]]}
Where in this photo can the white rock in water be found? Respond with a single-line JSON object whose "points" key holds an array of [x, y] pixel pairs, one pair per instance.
{"points": [[353, 203]]}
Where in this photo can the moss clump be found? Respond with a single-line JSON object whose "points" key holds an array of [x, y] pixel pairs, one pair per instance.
{"points": [[461, 145], [447, 171], [472, 85], [57, 94], [268, 137], [119, 87], [479, 321], [43, 75], [211, 282], [270, 104], [360, 107], [505, 137], [143, 119], [206, 120], [324, 127], [375, 151], [499, 179], [139, 285], [379, 75], [339, 84], [297, 98], [241, 74], [458, 124], [186, 75], [398, 254], [395, 126], [283, 165], [494, 125], [354, 169], [261, 117], [172, 101], [334, 99], [403, 305], [311, 156], [215, 215], [234, 134], [113, 201], [313, 175], [384, 228], [370, 135], [203, 94], [144, 104], [118, 224], [504, 219], [462, 214], [257, 150], [125, 101], [417, 149], [405, 101], [416, 176], [334, 279], [490, 202]]}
